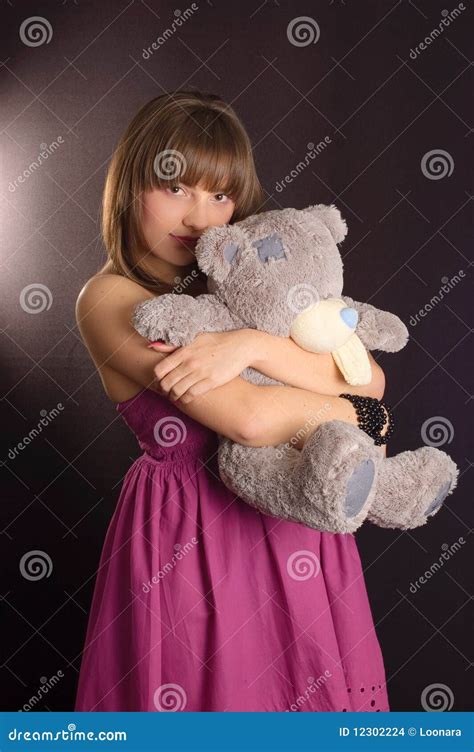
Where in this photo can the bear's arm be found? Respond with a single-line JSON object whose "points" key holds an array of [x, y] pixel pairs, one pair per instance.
{"points": [[377, 329], [178, 319]]}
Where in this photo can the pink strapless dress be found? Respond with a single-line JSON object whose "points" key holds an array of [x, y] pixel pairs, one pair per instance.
{"points": [[202, 603]]}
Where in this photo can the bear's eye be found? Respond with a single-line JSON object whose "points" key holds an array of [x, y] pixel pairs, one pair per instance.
{"points": [[270, 247]]}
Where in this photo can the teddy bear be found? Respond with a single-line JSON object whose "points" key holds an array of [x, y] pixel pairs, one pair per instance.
{"points": [[274, 271]]}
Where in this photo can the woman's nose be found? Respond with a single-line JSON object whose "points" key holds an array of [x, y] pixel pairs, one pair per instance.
{"points": [[197, 218]]}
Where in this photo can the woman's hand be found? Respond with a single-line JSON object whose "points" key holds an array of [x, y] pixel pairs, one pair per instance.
{"points": [[212, 359]]}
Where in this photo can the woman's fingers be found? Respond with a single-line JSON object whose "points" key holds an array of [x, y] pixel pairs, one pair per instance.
{"points": [[198, 390], [181, 387], [188, 388], [161, 347], [170, 378], [169, 364]]}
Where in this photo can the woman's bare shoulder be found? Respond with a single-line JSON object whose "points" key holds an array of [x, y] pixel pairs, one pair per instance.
{"points": [[104, 310], [104, 284], [107, 301]]}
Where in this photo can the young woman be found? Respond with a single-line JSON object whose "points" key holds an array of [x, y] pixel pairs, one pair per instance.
{"points": [[202, 603]]}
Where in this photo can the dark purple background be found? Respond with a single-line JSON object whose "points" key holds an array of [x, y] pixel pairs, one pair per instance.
{"points": [[383, 111]]}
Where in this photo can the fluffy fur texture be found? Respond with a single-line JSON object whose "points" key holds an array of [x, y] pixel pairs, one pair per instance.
{"points": [[262, 272]]}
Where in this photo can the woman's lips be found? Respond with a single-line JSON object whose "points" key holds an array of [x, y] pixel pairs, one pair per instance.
{"points": [[184, 240]]}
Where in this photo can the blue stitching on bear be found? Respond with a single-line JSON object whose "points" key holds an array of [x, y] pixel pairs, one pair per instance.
{"points": [[229, 251], [270, 247]]}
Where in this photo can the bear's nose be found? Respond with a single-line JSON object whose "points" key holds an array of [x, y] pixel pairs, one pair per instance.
{"points": [[349, 316]]}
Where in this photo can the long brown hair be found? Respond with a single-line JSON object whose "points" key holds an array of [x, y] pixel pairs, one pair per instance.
{"points": [[183, 128]]}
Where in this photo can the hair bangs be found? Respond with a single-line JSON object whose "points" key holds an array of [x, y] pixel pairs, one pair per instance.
{"points": [[203, 151]]}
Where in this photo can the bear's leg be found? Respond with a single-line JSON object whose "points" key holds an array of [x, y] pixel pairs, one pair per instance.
{"points": [[329, 485], [411, 487]]}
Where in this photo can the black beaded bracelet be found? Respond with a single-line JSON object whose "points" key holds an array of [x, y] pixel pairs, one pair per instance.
{"points": [[371, 417]]}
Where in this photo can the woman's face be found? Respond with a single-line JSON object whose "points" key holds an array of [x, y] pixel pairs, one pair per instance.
{"points": [[173, 220]]}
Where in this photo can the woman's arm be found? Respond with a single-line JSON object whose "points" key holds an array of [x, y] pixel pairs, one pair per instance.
{"points": [[104, 311], [214, 359], [282, 359], [248, 414]]}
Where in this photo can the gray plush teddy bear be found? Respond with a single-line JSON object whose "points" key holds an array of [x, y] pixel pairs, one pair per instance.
{"points": [[256, 270]]}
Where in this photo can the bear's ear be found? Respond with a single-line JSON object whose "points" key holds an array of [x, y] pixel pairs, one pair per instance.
{"points": [[216, 250], [331, 217]]}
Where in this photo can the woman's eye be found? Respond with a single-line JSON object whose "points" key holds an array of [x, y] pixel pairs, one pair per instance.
{"points": [[221, 198]]}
